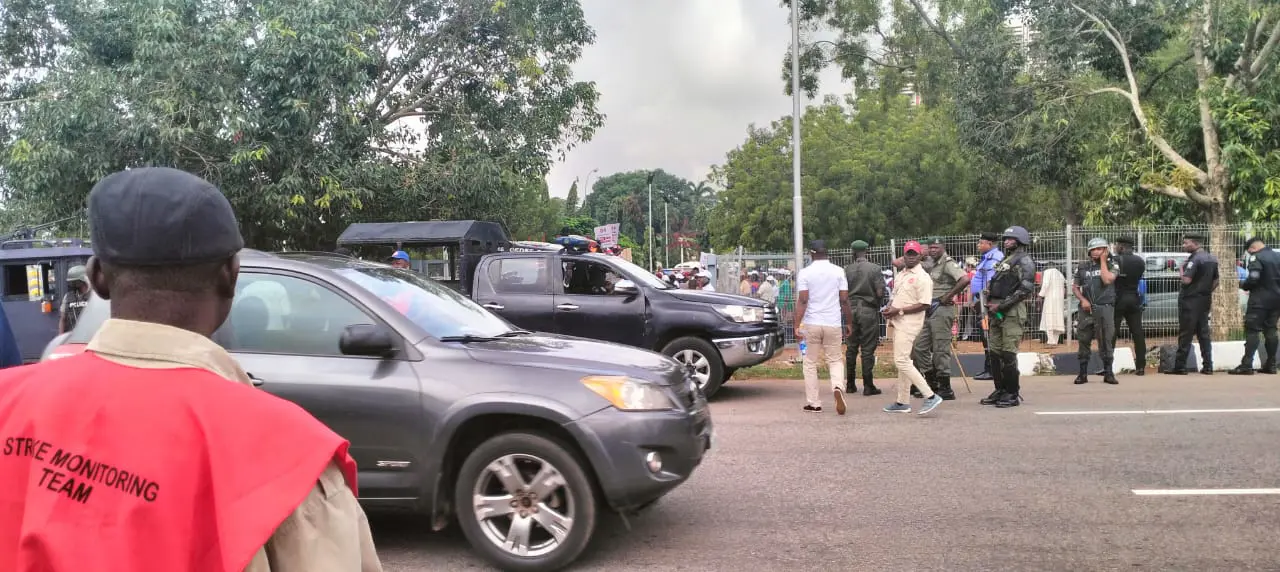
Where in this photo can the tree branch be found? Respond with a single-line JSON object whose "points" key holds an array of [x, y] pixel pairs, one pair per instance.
{"points": [[1151, 83], [937, 29], [1136, 104], [1175, 192], [1212, 146], [1260, 60]]}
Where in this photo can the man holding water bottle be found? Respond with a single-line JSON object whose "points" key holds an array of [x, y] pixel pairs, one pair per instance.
{"points": [[822, 299]]}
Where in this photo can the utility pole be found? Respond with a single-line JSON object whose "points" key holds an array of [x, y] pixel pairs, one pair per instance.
{"points": [[798, 221], [666, 233], [650, 229]]}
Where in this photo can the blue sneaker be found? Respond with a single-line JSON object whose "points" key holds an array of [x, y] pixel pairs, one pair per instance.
{"points": [[897, 408], [930, 404]]}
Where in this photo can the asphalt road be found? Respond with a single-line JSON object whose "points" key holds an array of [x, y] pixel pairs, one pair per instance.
{"points": [[966, 488]]}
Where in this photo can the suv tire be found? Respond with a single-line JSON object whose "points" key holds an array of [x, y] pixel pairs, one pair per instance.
{"points": [[557, 512], [708, 366]]}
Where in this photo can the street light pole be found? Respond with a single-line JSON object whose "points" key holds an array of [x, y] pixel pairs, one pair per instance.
{"points": [[666, 233], [798, 221], [650, 229]]}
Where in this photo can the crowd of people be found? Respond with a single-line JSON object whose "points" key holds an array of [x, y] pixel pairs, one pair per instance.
{"points": [[935, 299]]}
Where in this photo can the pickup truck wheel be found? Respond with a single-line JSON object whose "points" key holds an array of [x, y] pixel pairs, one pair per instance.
{"points": [[708, 369], [525, 503]]}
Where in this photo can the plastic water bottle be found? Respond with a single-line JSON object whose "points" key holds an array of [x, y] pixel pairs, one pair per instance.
{"points": [[803, 345]]}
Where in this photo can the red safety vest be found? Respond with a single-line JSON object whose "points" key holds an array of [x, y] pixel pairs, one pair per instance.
{"points": [[105, 467]]}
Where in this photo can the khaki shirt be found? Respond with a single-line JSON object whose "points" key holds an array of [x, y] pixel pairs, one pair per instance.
{"points": [[912, 286], [328, 531], [945, 274]]}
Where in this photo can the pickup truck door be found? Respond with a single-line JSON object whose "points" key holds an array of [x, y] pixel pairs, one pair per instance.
{"points": [[518, 288], [586, 307], [284, 330]]}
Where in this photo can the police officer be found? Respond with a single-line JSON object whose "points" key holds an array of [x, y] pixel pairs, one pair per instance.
{"points": [[1013, 283], [932, 350], [1199, 280], [176, 461], [1129, 302], [74, 301], [985, 269], [1094, 287], [866, 295], [1263, 311]]}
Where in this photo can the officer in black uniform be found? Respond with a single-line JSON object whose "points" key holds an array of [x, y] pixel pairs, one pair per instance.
{"points": [[1263, 311], [866, 295], [1128, 303], [1006, 294], [1094, 287], [1199, 280]]}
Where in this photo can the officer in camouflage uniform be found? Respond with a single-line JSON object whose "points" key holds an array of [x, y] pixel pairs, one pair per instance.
{"points": [[1095, 288], [866, 295], [932, 350], [1006, 294]]}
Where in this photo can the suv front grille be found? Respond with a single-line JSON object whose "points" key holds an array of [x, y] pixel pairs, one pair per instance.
{"points": [[770, 314]]}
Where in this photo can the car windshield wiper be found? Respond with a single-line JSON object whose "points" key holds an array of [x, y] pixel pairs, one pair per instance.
{"points": [[515, 333], [468, 338]]}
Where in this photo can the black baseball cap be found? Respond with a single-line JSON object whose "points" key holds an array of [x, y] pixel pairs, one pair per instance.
{"points": [[157, 216]]}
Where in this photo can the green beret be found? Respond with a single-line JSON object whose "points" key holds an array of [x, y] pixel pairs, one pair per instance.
{"points": [[859, 245], [932, 240]]}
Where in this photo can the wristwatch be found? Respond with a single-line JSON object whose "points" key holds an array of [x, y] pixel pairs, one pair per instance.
{"points": [[902, 312]]}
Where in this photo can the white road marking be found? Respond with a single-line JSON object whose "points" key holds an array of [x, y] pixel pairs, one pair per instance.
{"points": [[1203, 492], [1162, 411]]}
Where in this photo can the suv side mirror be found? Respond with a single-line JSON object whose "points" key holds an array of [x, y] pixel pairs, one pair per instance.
{"points": [[626, 287], [366, 340]]}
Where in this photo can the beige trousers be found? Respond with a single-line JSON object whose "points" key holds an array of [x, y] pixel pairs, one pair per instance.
{"points": [[905, 330], [822, 342]]}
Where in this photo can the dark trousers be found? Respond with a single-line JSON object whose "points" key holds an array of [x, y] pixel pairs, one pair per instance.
{"points": [[865, 339], [1129, 311], [1098, 323], [1193, 321], [1259, 322]]}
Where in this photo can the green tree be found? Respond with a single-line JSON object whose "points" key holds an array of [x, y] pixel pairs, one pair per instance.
{"points": [[624, 198], [308, 114], [571, 201], [874, 174]]}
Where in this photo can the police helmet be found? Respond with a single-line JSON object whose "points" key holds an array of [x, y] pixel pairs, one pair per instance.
{"points": [[1097, 243], [1019, 234]]}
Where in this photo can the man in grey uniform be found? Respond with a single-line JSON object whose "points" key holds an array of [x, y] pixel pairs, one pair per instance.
{"points": [[1095, 288], [866, 295], [932, 350]]}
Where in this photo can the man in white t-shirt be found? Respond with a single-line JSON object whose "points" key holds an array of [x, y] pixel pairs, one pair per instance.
{"points": [[704, 279], [822, 299]]}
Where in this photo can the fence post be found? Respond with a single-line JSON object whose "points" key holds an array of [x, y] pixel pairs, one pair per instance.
{"points": [[1140, 249], [1070, 276], [893, 247]]}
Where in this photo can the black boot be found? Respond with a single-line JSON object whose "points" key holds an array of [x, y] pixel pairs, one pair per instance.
{"points": [[986, 369], [1241, 370], [1082, 378], [1012, 390], [1268, 367], [1109, 378], [993, 362], [944, 388], [869, 387]]}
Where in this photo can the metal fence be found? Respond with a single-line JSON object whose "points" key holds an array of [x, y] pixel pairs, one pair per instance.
{"points": [[1064, 249]]}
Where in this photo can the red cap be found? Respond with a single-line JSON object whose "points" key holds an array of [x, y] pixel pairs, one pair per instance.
{"points": [[911, 245]]}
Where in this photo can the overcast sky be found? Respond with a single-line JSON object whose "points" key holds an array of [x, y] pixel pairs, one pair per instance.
{"points": [[680, 81]]}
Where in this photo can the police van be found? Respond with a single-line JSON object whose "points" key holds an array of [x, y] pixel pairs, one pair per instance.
{"points": [[35, 280]]}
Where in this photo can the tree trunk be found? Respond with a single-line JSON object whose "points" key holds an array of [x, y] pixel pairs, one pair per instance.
{"points": [[1226, 299]]}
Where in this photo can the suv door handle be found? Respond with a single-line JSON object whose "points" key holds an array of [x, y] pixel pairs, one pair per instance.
{"points": [[257, 382], [567, 307], [493, 306]]}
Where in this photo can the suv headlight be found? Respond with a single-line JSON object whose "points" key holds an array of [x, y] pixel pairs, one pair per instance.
{"points": [[742, 313], [628, 394]]}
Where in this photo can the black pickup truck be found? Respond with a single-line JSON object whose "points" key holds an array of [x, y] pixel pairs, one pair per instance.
{"points": [[584, 294]]}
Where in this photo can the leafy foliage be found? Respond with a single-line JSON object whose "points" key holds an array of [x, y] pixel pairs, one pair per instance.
{"points": [[881, 172], [308, 114]]}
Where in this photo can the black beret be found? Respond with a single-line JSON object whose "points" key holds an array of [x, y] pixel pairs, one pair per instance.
{"points": [[990, 236], [819, 246], [1126, 240], [1193, 236], [156, 216]]}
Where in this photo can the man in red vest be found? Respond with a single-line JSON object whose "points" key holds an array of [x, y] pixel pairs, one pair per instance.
{"points": [[152, 451]]}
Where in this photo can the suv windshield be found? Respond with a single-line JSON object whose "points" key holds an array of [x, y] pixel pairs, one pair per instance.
{"points": [[432, 306], [636, 273]]}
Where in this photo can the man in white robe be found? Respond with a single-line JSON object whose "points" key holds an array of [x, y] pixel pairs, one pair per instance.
{"points": [[1053, 289]]}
